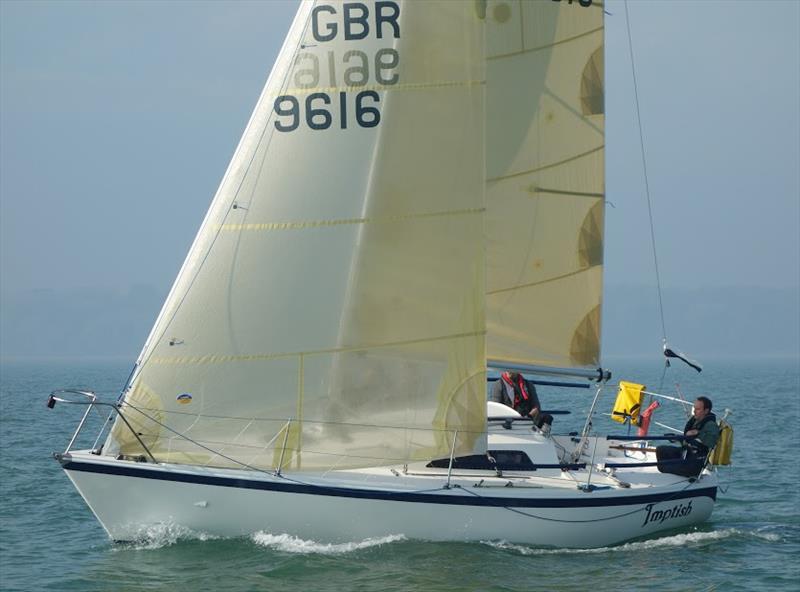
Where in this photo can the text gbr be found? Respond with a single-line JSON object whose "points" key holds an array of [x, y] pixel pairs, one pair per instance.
{"points": [[353, 22]]}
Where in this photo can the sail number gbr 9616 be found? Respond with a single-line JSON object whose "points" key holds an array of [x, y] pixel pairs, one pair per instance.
{"points": [[354, 69]]}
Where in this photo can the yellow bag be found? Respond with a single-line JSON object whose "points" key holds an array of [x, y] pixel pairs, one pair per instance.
{"points": [[721, 455], [628, 403]]}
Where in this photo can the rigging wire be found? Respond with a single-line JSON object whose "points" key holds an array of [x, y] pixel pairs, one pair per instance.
{"points": [[646, 180]]}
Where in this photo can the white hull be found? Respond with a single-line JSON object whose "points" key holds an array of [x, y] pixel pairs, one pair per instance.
{"points": [[351, 506]]}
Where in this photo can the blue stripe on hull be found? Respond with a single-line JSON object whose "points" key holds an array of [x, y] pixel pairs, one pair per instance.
{"points": [[586, 500]]}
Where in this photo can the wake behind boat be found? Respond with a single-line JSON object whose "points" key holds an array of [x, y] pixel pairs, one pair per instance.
{"points": [[417, 198]]}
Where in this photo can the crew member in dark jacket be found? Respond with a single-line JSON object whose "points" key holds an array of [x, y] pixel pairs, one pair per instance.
{"points": [[703, 430], [514, 391]]}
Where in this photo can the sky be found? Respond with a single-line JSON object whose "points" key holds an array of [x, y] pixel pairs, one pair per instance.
{"points": [[719, 93], [118, 119]]}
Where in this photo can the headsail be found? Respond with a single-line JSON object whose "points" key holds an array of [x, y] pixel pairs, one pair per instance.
{"points": [[338, 279], [545, 182]]}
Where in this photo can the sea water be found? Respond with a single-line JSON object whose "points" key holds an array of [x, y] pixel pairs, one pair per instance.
{"points": [[49, 539]]}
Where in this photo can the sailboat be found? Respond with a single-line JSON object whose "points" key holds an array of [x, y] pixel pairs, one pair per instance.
{"points": [[416, 202]]}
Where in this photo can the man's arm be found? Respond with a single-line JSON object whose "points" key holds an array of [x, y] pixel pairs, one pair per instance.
{"points": [[709, 434]]}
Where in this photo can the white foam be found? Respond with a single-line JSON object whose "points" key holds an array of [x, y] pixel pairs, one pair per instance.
{"points": [[767, 536], [292, 544], [156, 536], [678, 540]]}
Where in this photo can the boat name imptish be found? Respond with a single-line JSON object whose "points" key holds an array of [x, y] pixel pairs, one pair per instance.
{"points": [[679, 510]]}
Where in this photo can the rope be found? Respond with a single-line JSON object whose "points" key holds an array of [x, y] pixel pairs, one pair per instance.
{"points": [[663, 376], [215, 452], [646, 181], [724, 489]]}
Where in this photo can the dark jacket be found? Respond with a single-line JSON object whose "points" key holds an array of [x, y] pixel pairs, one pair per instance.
{"points": [[523, 400], [707, 433]]}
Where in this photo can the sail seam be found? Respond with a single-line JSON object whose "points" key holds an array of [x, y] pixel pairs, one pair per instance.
{"points": [[531, 284], [182, 437], [382, 87], [216, 359], [541, 47], [546, 166], [301, 225]]}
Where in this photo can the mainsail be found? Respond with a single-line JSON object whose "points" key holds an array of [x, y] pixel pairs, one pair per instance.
{"points": [[545, 182], [419, 182]]}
